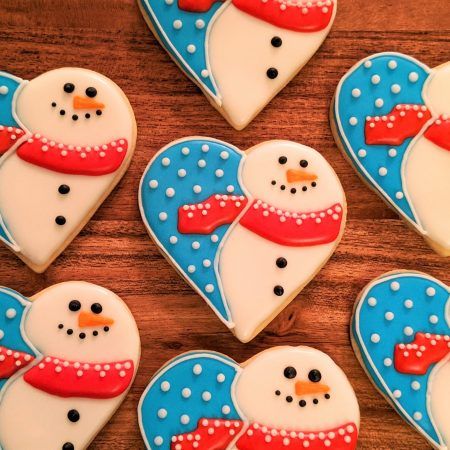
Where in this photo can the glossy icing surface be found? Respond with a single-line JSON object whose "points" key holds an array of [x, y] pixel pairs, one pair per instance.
{"points": [[219, 216], [400, 321], [82, 371], [297, 394]]}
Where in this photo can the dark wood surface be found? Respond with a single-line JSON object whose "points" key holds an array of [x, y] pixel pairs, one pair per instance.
{"points": [[111, 37]]}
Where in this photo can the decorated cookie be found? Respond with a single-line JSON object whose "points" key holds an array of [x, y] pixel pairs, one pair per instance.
{"points": [[283, 398], [241, 53], [68, 357], [66, 139], [247, 230], [391, 116], [400, 333]]}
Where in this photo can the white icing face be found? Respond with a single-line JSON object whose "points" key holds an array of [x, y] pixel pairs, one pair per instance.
{"points": [[76, 107], [438, 91], [82, 322], [296, 389], [291, 177]]}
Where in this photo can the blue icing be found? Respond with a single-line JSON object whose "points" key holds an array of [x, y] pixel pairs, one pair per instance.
{"points": [[165, 412], [8, 86], [410, 317], [13, 306], [177, 30], [155, 204], [348, 106]]}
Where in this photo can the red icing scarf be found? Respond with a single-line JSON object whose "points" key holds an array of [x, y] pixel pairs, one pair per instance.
{"points": [[12, 361], [282, 227], [75, 379], [219, 434]]}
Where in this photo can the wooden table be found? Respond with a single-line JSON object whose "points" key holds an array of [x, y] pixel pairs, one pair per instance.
{"points": [[111, 37]]}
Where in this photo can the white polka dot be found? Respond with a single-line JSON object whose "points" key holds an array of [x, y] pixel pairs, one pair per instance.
{"points": [[206, 263], [200, 24], [209, 288], [220, 378], [195, 245], [2, 334], [169, 2], [206, 396], [379, 102], [197, 189], [186, 393], [396, 88], [226, 409], [431, 292], [177, 24], [415, 385], [205, 73], [173, 239], [353, 121], [356, 93], [382, 171], [153, 184], [158, 441], [201, 163], [368, 64], [417, 415], [165, 162], [170, 192], [191, 269], [191, 48], [224, 155], [11, 313], [197, 369], [362, 153], [219, 173], [185, 419], [162, 413], [387, 362], [185, 151], [163, 216], [399, 195], [392, 152], [392, 64], [389, 315], [433, 319], [205, 148], [375, 338], [372, 301], [413, 77], [4, 90], [230, 188], [408, 331], [165, 386], [182, 173], [397, 393], [214, 238], [395, 286], [408, 303], [375, 79]]}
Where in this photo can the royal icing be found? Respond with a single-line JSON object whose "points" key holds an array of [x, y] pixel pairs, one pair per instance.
{"points": [[391, 115], [68, 356], [401, 331], [247, 230], [60, 158], [283, 398], [241, 52]]}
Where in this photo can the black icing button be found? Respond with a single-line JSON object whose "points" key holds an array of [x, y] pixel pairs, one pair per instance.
{"points": [[281, 263], [68, 446], [73, 415], [272, 73], [60, 220], [276, 41], [278, 290], [64, 189]]}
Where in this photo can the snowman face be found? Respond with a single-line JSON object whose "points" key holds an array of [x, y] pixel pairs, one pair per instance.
{"points": [[438, 91], [296, 389], [82, 322], [291, 177], [75, 107]]}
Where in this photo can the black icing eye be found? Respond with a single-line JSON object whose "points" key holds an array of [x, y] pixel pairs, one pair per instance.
{"points": [[290, 372], [96, 308], [282, 160], [74, 305], [304, 163], [69, 88], [315, 376], [91, 92]]}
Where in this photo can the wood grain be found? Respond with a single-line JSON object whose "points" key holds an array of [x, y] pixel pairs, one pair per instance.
{"points": [[110, 36]]}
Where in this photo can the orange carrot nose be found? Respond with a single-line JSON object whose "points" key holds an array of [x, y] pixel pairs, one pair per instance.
{"points": [[297, 176], [86, 103], [87, 319], [307, 387]]}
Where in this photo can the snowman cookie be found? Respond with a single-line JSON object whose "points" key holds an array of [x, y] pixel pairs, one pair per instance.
{"points": [[66, 139], [401, 335], [283, 398], [241, 53], [247, 230], [391, 116], [68, 357]]}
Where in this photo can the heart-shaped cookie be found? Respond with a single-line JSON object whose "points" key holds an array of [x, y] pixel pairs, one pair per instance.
{"points": [[400, 333], [247, 230], [391, 116], [241, 53], [68, 357], [66, 139]]}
